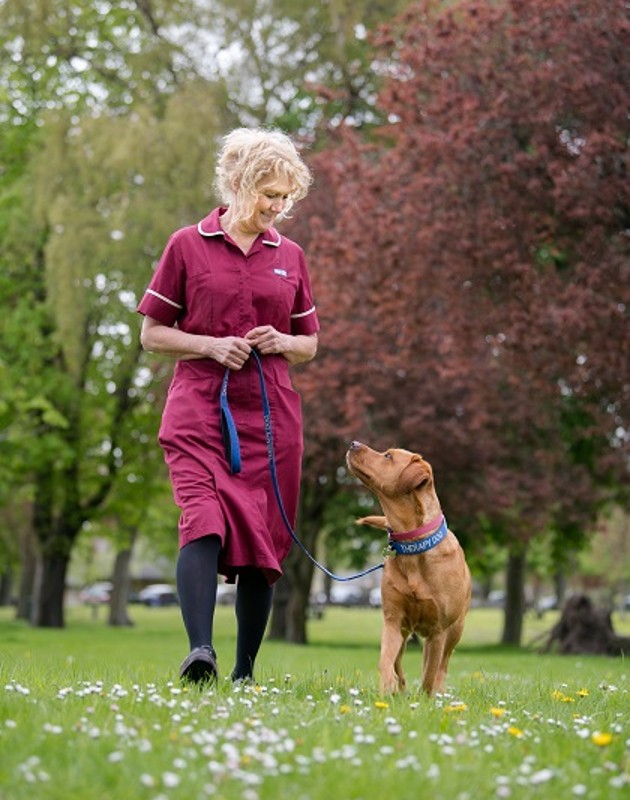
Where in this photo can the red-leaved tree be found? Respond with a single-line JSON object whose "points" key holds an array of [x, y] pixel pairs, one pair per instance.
{"points": [[469, 266]]}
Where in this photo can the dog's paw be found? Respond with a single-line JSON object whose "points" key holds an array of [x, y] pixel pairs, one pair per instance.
{"points": [[375, 522]]}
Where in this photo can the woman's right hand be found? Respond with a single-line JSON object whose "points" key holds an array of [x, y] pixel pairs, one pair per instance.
{"points": [[229, 351]]}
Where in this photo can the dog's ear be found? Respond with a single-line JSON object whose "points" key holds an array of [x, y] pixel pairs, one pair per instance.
{"points": [[375, 522], [414, 475]]}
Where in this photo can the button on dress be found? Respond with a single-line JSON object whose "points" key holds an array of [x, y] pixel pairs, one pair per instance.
{"points": [[205, 284]]}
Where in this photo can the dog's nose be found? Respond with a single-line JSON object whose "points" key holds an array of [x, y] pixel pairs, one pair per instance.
{"points": [[355, 445]]}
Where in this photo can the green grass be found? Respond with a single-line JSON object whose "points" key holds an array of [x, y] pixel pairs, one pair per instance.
{"points": [[93, 712]]}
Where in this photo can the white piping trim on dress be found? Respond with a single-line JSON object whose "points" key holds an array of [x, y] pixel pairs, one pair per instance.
{"points": [[272, 243], [222, 233], [303, 313], [166, 300], [209, 233]]}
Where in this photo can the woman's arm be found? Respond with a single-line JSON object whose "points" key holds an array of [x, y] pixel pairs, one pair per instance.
{"points": [[230, 351]]}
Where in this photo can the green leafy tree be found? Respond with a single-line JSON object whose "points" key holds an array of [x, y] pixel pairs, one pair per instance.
{"points": [[108, 191], [291, 64]]}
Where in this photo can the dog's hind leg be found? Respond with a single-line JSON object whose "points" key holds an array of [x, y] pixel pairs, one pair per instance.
{"points": [[402, 682], [452, 637]]}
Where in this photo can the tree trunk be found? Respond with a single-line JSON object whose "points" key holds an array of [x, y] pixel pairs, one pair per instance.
{"points": [[28, 563], [118, 605], [6, 587], [278, 624], [50, 589], [560, 584], [291, 599], [514, 597]]}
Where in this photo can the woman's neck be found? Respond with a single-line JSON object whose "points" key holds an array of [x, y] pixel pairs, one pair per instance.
{"points": [[243, 238]]}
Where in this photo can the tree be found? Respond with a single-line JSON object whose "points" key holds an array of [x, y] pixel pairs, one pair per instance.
{"points": [[102, 212], [292, 64], [469, 267]]}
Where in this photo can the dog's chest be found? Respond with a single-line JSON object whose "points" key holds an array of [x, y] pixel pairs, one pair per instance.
{"points": [[421, 603]]}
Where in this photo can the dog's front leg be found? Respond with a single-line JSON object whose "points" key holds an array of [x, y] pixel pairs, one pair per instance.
{"points": [[392, 648], [432, 661]]}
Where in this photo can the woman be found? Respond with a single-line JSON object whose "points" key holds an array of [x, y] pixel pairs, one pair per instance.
{"points": [[223, 287]]}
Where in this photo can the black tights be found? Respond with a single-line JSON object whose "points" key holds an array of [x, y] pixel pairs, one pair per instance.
{"points": [[253, 605], [197, 570]]}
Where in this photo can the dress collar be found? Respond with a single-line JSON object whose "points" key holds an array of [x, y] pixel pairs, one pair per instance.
{"points": [[211, 226]]}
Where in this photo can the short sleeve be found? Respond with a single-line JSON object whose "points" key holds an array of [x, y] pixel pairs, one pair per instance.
{"points": [[304, 314], [164, 299]]}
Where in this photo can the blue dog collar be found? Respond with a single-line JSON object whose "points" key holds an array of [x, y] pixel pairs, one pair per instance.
{"points": [[422, 545]]}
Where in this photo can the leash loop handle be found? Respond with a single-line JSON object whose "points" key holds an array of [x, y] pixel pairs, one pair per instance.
{"points": [[233, 455], [228, 429]]}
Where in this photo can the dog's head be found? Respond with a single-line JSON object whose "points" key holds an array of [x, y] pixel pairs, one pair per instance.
{"points": [[393, 473], [398, 478]]}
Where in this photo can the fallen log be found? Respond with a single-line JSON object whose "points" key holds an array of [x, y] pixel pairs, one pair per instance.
{"points": [[584, 628]]}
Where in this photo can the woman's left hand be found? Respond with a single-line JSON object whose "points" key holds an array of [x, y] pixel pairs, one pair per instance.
{"points": [[267, 340], [296, 349]]}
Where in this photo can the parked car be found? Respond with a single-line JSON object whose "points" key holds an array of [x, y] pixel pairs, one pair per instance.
{"points": [[547, 603], [375, 597], [226, 594], [316, 605], [158, 594], [97, 593], [496, 598], [346, 595]]}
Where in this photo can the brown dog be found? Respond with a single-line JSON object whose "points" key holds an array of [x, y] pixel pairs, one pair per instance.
{"points": [[426, 584]]}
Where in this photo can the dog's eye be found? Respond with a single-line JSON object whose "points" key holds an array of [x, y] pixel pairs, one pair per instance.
{"points": [[389, 455]]}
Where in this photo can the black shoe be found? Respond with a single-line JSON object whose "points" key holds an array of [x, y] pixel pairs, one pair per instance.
{"points": [[199, 666]]}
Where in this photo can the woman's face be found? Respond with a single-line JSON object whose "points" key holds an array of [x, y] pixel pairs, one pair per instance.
{"points": [[271, 201]]}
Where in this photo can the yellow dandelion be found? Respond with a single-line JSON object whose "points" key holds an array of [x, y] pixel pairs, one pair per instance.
{"points": [[497, 712], [456, 707], [381, 704], [516, 732], [344, 709], [561, 697], [582, 693], [601, 739]]}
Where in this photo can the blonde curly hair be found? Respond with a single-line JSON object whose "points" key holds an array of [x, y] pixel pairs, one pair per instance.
{"points": [[252, 158]]}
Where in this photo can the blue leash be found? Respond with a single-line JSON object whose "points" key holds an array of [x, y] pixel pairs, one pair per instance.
{"points": [[233, 455]]}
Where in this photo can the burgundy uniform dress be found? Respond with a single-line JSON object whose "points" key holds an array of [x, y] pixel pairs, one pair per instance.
{"points": [[205, 284]]}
